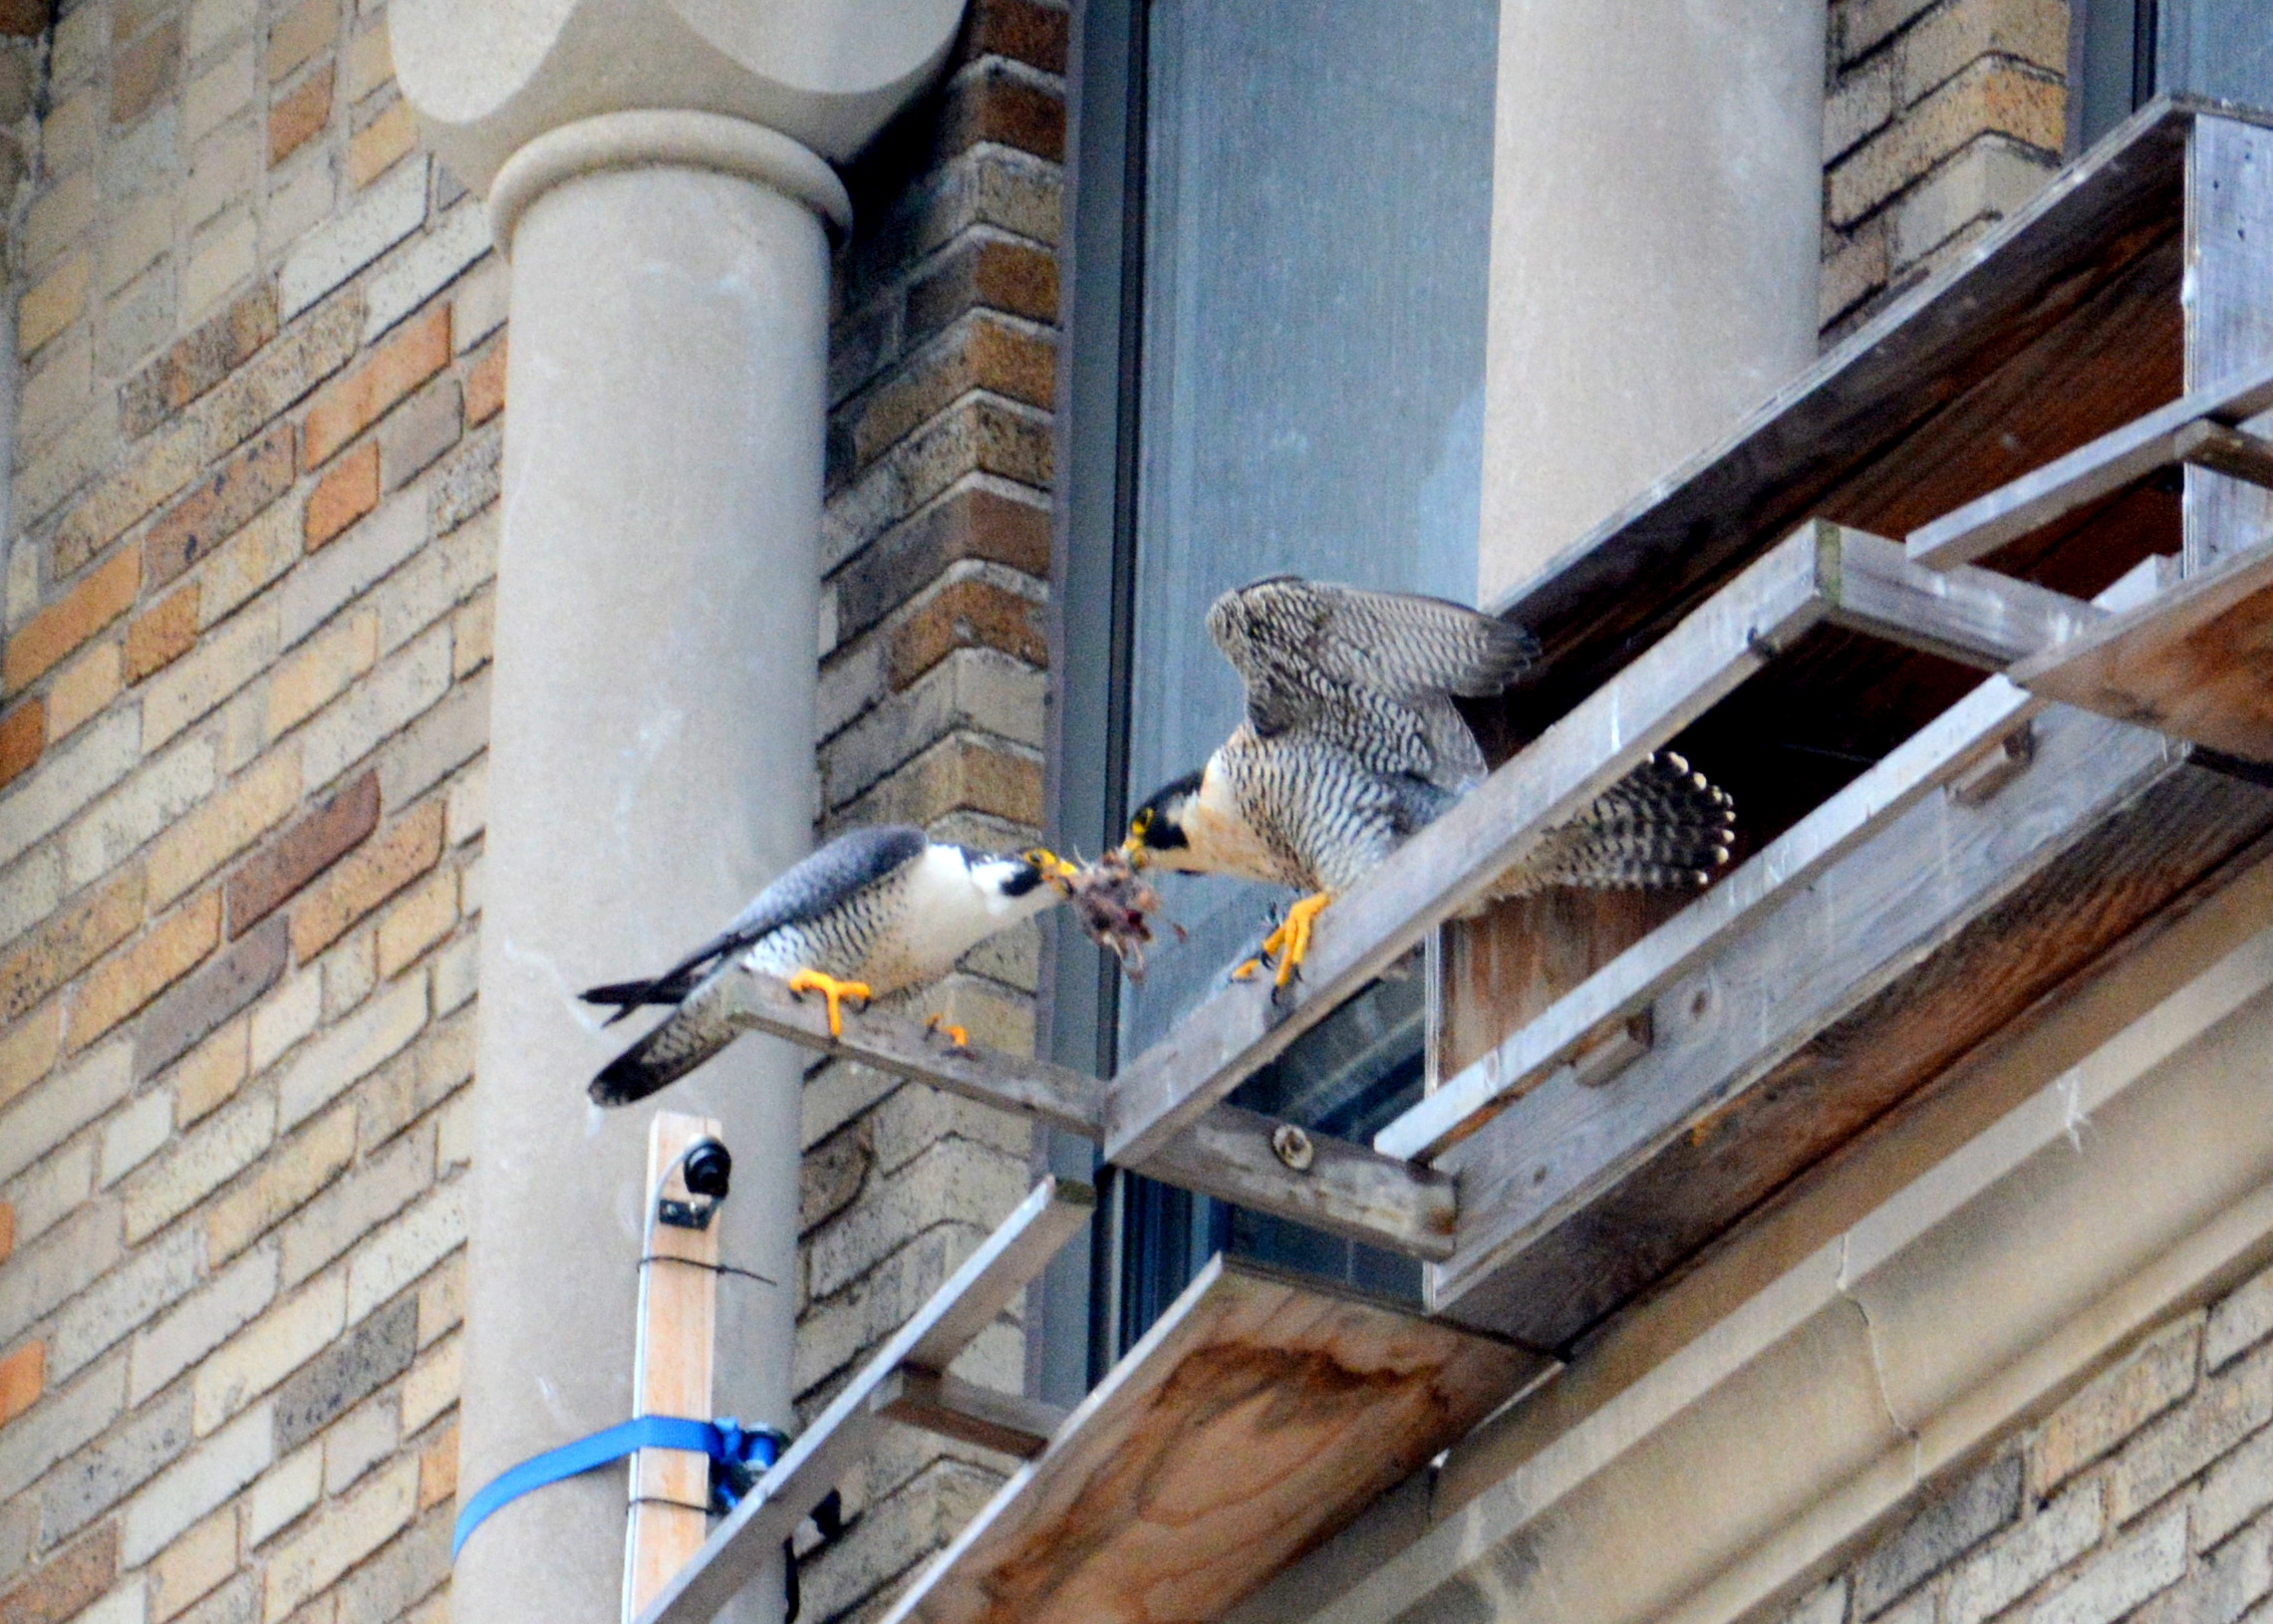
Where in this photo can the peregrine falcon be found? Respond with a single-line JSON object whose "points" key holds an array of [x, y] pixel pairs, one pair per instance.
{"points": [[1352, 743], [872, 912]]}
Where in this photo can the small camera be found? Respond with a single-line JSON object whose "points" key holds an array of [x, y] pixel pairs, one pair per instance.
{"points": [[709, 1170]]}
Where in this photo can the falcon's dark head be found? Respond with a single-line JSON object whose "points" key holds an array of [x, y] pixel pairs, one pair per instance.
{"points": [[1156, 828]]}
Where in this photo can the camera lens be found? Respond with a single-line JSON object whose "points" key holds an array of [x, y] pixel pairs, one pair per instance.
{"points": [[710, 1169]]}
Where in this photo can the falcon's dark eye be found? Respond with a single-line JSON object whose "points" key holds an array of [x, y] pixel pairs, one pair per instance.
{"points": [[1141, 822]]}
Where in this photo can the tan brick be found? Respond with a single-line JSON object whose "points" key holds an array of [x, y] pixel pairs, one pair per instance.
{"points": [[300, 34], [219, 506], [359, 1204], [343, 1535], [163, 634], [287, 1179], [2240, 1322], [210, 1076], [2115, 1406], [417, 922], [67, 944], [473, 639], [348, 490], [124, 983], [250, 804], [23, 1374], [82, 689], [192, 1565], [248, 561], [433, 1384], [59, 217], [143, 72], [23, 734], [345, 409], [320, 669], [194, 365], [1955, 36], [368, 62], [299, 116], [406, 1249], [7, 1230], [62, 627], [968, 613], [270, 1349], [66, 1584], [379, 144], [28, 1049], [2223, 1411], [1991, 95], [982, 354], [441, 1301], [485, 385], [228, 656], [367, 877], [301, 852], [987, 272], [53, 302], [437, 1469]]}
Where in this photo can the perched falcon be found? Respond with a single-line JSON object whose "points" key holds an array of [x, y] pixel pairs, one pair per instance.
{"points": [[1352, 743], [872, 912]]}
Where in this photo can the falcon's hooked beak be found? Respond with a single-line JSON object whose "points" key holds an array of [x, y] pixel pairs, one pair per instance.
{"points": [[1055, 869]]}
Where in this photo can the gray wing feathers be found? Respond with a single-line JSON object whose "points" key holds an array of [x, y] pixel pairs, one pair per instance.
{"points": [[853, 860], [697, 1029], [1371, 671]]}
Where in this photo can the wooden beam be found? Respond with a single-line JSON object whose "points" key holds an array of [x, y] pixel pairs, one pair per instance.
{"points": [[2156, 440], [953, 1408], [1942, 753], [1824, 573], [1349, 1189], [1257, 1415], [1003, 1267], [2197, 662], [1798, 967], [1380, 1199], [2228, 316], [678, 1309], [1454, 861]]}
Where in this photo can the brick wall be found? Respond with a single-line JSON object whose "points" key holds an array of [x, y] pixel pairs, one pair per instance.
{"points": [[247, 612], [936, 548], [2148, 1497], [1942, 117]]}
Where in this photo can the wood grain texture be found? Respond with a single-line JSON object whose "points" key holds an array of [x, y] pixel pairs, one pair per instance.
{"points": [[2197, 662], [678, 1310], [1946, 926], [2091, 472], [1255, 1420], [1003, 1266], [2229, 315]]}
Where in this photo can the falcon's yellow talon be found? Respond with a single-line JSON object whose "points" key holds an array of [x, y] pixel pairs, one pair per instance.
{"points": [[1245, 969], [834, 990], [956, 1036], [1297, 933]]}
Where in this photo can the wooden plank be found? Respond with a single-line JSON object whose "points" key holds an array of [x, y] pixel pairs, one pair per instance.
{"points": [[1946, 751], [2195, 662], [2089, 472], [1003, 1267], [1256, 1418], [2182, 841], [1454, 861], [1970, 616], [1821, 952], [2229, 315], [1360, 1193], [1351, 1191], [953, 1408], [670, 1375]]}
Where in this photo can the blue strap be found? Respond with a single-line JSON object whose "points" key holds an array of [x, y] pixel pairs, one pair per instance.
{"points": [[732, 1450]]}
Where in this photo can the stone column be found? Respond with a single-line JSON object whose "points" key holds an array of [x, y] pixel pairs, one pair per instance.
{"points": [[656, 174], [1656, 227]]}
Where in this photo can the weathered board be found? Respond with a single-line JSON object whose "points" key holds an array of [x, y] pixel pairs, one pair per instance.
{"points": [[2195, 662], [2229, 314], [1255, 1419], [1925, 939]]}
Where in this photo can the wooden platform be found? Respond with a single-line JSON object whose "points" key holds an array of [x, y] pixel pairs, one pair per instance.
{"points": [[2197, 662], [1255, 1419]]}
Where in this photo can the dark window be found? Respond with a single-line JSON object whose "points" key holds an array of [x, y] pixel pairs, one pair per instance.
{"points": [[1281, 231], [2125, 53]]}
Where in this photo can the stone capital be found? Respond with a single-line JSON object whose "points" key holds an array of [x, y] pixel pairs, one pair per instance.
{"points": [[487, 78]]}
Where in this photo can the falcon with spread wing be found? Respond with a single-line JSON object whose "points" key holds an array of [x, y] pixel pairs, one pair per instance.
{"points": [[1352, 743]]}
